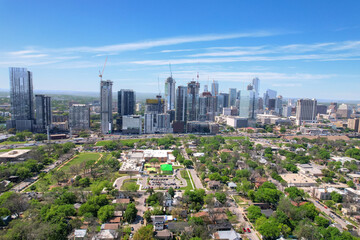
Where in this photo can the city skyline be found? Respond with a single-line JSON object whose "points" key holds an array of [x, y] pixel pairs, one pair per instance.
{"points": [[299, 55]]}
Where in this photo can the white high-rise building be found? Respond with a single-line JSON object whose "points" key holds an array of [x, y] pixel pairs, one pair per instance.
{"points": [[305, 110], [256, 85], [248, 104], [170, 93], [232, 97], [215, 88]]}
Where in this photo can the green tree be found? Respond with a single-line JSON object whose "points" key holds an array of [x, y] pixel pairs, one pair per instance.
{"points": [[336, 197], [147, 216], [253, 213], [171, 191], [221, 197], [187, 163], [270, 229], [244, 187], [144, 233], [105, 212], [295, 193], [351, 184], [130, 213], [322, 222]]}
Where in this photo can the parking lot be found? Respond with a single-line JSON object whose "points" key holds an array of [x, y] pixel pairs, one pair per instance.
{"points": [[164, 182]]}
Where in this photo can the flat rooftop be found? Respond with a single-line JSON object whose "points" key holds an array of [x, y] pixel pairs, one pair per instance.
{"points": [[14, 153], [297, 178]]}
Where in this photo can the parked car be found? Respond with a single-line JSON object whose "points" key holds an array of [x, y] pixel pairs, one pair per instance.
{"points": [[249, 230]]}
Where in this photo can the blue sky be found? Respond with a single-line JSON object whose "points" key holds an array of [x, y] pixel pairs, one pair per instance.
{"points": [[299, 48]]}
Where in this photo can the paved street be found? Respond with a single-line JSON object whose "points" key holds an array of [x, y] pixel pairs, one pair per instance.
{"points": [[234, 208], [196, 179], [341, 223]]}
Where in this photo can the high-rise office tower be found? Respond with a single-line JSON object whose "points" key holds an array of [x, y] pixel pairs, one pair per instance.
{"points": [[206, 89], [278, 104], [43, 112], [153, 107], [193, 90], [232, 97], [226, 99], [344, 111], [305, 110], [181, 104], [269, 94], [321, 109], [79, 117], [248, 104], [287, 111], [215, 88], [126, 102], [170, 93], [21, 99], [256, 85], [106, 106]]}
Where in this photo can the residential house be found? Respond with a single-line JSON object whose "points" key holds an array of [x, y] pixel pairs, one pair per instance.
{"points": [[80, 234], [227, 234], [163, 234], [168, 201], [159, 222], [214, 184], [106, 235]]}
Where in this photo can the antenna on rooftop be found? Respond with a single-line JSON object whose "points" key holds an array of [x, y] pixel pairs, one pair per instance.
{"points": [[170, 69]]}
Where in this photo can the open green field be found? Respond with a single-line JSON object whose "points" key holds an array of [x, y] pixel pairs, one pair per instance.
{"points": [[125, 142], [11, 143], [81, 158], [130, 185], [10, 149], [185, 175], [234, 137]]}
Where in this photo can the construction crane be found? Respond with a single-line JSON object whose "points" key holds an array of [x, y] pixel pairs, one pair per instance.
{"points": [[101, 73]]}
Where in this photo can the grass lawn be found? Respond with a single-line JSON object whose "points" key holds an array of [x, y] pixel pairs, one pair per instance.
{"points": [[10, 142], [6, 150], [239, 200], [130, 185], [234, 137], [10, 149], [185, 175], [125, 142], [177, 167], [81, 158]]}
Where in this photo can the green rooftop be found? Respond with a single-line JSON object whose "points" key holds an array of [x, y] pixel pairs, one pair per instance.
{"points": [[166, 167]]}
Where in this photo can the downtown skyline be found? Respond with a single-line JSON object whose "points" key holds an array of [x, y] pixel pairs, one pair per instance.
{"points": [[299, 55]]}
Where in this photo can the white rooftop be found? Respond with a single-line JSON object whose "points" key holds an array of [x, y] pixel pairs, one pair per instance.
{"points": [[80, 233], [231, 235], [156, 153], [14, 153]]}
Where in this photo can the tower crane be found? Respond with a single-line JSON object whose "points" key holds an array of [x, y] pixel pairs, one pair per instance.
{"points": [[101, 73]]}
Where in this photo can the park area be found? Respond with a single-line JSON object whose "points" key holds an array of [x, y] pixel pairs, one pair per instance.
{"points": [[130, 185], [56, 177]]}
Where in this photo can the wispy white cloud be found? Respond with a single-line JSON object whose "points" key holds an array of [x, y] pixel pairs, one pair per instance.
{"points": [[45, 56], [329, 51], [165, 42], [239, 76], [177, 50]]}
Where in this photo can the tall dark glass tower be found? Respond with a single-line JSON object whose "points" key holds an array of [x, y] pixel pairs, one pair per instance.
{"points": [[22, 100]]}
